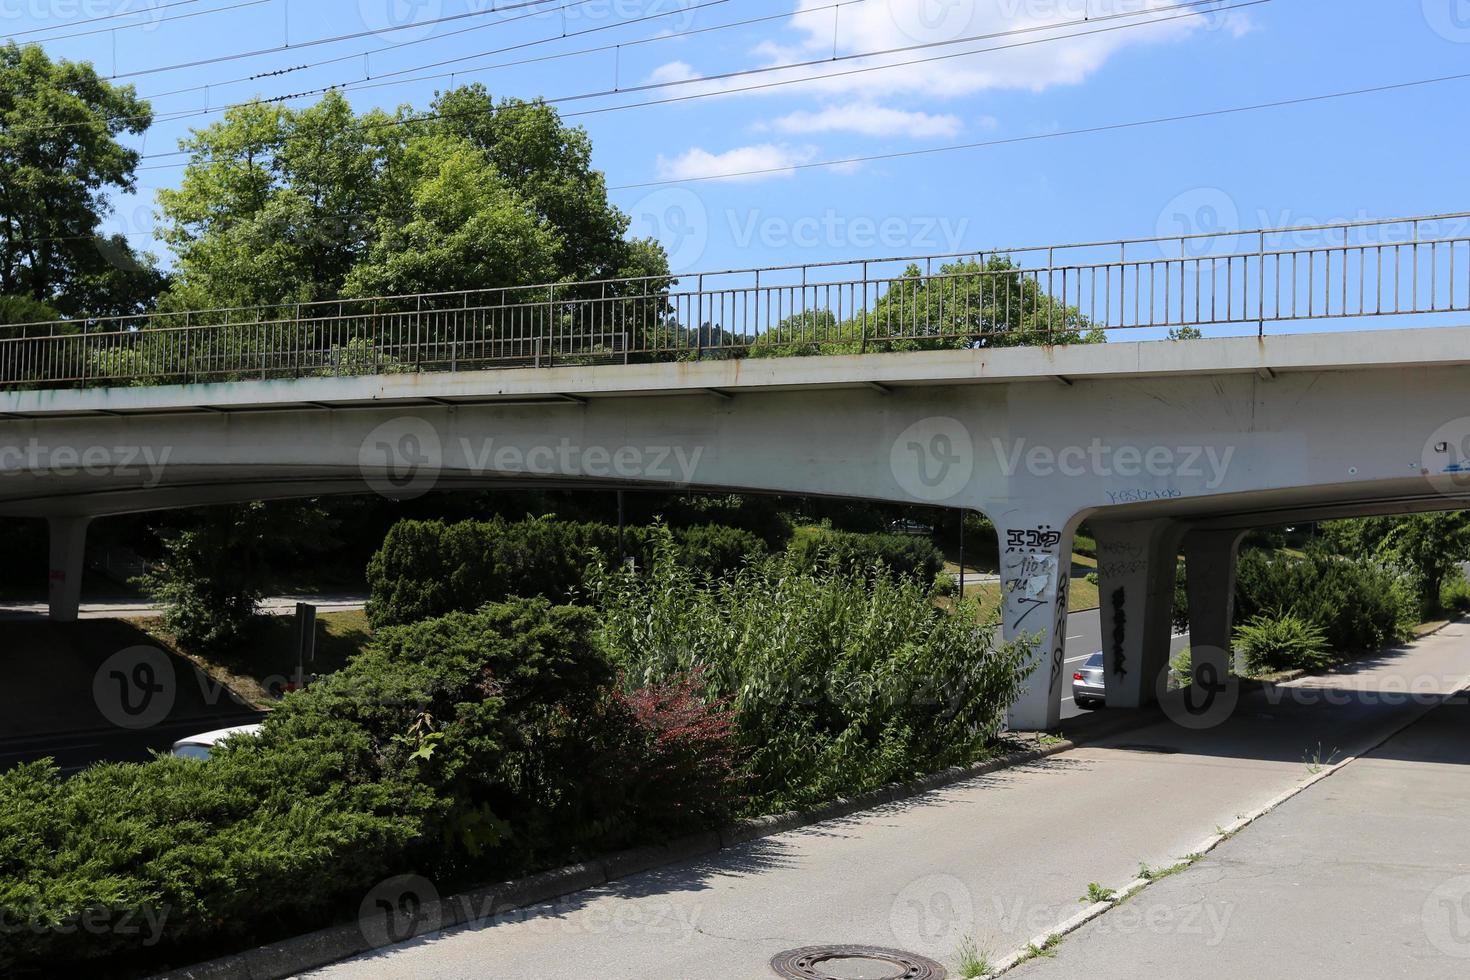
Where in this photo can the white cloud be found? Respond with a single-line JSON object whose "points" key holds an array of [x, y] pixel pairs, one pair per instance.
{"points": [[1032, 49], [770, 157], [869, 120], [673, 71]]}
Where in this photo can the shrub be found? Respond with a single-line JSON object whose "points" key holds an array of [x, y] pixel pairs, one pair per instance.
{"points": [[1283, 641], [904, 554], [1360, 604], [429, 568], [473, 745], [838, 684], [715, 549], [1454, 595]]}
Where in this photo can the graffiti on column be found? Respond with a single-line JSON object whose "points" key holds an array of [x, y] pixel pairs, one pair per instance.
{"points": [[1120, 621], [1029, 567]]}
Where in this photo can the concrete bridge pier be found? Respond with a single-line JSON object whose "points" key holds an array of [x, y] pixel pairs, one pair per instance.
{"points": [[1209, 562], [68, 562], [1035, 562], [1136, 569]]}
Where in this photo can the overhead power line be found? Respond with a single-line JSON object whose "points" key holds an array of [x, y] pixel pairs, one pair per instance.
{"points": [[1111, 127], [1199, 8], [97, 20], [317, 42], [127, 27]]}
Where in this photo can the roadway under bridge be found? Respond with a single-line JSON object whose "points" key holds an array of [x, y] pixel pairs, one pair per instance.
{"points": [[1162, 446]]}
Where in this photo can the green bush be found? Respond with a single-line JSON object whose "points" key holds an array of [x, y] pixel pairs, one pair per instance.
{"points": [[839, 683], [429, 568], [715, 549], [467, 747], [1283, 641], [904, 554], [1360, 604], [1454, 594]]}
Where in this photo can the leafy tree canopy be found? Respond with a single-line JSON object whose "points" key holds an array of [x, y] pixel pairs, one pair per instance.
{"points": [[59, 159], [287, 205]]}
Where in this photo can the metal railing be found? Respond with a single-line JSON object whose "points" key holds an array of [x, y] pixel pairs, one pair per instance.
{"points": [[1029, 295]]}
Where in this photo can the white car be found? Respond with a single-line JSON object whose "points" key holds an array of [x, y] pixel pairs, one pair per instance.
{"points": [[200, 746]]}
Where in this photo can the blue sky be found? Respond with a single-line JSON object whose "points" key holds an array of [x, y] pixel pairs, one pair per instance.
{"points": [[1373, 156]]}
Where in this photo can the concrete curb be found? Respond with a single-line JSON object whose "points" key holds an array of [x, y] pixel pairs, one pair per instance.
{"points": [[1073, 923], [333, 943]]}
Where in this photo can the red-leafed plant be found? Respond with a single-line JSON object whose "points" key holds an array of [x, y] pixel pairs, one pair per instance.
{"points": [[684, 767]]}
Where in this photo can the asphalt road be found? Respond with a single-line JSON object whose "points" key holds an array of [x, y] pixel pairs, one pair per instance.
{"points": [[1365, 874], [1084, 638], [1000, 858]]}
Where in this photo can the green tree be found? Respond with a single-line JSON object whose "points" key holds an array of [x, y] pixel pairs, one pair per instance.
{"points": [[973, 304], [1428, 546], [59, 160], [285, 205]]}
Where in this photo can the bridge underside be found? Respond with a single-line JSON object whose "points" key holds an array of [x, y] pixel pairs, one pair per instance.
{"points": [[1163, 447]]}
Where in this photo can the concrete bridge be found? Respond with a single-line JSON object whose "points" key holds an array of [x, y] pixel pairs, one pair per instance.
{"points": [[1161, 445]]}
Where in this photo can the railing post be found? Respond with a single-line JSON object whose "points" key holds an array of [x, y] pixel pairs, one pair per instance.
{"points": [[1261, 295], [863, 313]]}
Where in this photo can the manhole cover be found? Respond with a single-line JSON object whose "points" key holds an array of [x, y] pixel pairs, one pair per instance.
{"points": [[854, 963]]}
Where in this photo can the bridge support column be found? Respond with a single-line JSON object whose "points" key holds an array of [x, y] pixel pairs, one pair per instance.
{"points": [[68, 559], [1035, 568], [1136, 568], [1209, 563]]}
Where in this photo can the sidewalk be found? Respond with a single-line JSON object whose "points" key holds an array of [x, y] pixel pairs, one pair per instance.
{"points": [[282, 605], [1000, 858], [1365, 874]]}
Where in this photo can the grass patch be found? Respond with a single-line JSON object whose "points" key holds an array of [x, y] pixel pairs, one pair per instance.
{"points": [[1157, 874], [1047, 948], [264, 664], [971, 961], [1097, 893]]}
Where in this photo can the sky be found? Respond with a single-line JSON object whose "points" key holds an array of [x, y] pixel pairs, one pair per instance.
{"points": [[1018, 76]]}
